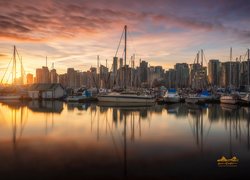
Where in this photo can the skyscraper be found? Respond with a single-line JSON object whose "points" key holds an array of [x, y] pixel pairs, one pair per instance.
{"points": [[71, 78], [115, 59], [182, 75], [30, 78], [214, 72], [143, 71]]}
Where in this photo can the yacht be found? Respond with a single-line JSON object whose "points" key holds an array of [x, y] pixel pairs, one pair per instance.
{"points": [[171, 96], [229, 99], [126, 97], [199, 98], [80, 97], [245, 99]]}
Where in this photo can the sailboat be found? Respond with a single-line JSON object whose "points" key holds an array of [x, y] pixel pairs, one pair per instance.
{"points": [[230, 98], [127, 96], [13, 93]]}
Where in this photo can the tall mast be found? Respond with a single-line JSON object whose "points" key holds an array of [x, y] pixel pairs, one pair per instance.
{"points": [[14, 67], [22, 77], [248, 66], [230, 67], [125, 54], [201, 57]]}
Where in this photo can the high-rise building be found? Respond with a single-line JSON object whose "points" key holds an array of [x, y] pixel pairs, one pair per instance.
{"points": [[115, 59], [63, 80], [214, 72], [182, 75], [71, 78], [143, 71], [170, 77], [39, 75], [53, 76], [121, 63], [225, 80], [45, 74], [42, 75], [30, 78]]}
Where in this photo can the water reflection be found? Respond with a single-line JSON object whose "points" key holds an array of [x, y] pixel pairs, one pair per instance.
{"points": [[121, 140]]}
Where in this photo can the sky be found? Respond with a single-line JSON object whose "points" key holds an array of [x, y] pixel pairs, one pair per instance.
{"points": [[71, 33]]}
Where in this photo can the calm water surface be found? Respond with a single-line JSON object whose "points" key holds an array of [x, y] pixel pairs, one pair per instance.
{"points": [[50, 140]]}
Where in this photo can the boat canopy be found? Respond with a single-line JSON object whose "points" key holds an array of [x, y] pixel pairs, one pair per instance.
{"points": [[205, 93], [171, 90]]}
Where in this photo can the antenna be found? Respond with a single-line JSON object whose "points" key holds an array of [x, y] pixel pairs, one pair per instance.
{"points": [[46, 61], [52, 65], [106, 63]]}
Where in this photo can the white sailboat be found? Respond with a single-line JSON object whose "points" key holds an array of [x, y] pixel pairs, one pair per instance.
{"points": [[229, 98], [13, 95], [126, 96]]}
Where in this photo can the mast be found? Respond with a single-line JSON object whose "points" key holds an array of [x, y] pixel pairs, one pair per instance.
{"points": [[248, 67], [201, 57], [22, 81], [125, 55], [230, 67], [14, 67]]}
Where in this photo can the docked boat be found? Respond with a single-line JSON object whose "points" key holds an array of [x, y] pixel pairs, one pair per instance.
{"points": [[199, 98], [81, 97], [10, 97], [171, 96], [245, 99], [229, 99], [126, 97]]}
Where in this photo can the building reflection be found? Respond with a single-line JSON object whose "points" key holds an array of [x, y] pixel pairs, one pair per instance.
{"points": [[46, 106]]}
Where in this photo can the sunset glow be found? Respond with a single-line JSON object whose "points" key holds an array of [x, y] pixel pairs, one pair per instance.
{"points": [[73, 33]]}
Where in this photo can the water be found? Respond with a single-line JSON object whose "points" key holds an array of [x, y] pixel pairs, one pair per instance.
{"points": [[50, 140]]}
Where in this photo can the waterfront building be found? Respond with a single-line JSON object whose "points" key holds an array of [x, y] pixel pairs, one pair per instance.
{"points": [[63, 79], [42, 75], [46, 91], [30, 78], [182, 75], [214, 72], [71, 78], [143, 71], [115, 59], [121, 63], [53, 76], [225, 74], [170, 76]]}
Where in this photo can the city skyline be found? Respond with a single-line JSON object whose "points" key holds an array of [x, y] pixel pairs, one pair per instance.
{"points": [[73, 33]]}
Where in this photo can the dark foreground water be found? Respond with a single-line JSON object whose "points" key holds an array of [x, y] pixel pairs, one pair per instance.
{"points": [[55, 140]]}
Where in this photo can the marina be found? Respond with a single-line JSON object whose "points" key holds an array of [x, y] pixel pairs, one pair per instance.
{"points": [[124, 90]]}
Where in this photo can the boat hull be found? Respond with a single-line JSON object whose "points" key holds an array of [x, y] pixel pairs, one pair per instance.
{"points": [[228, 100], [172, 99], [126, 99], [14, 97]]}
